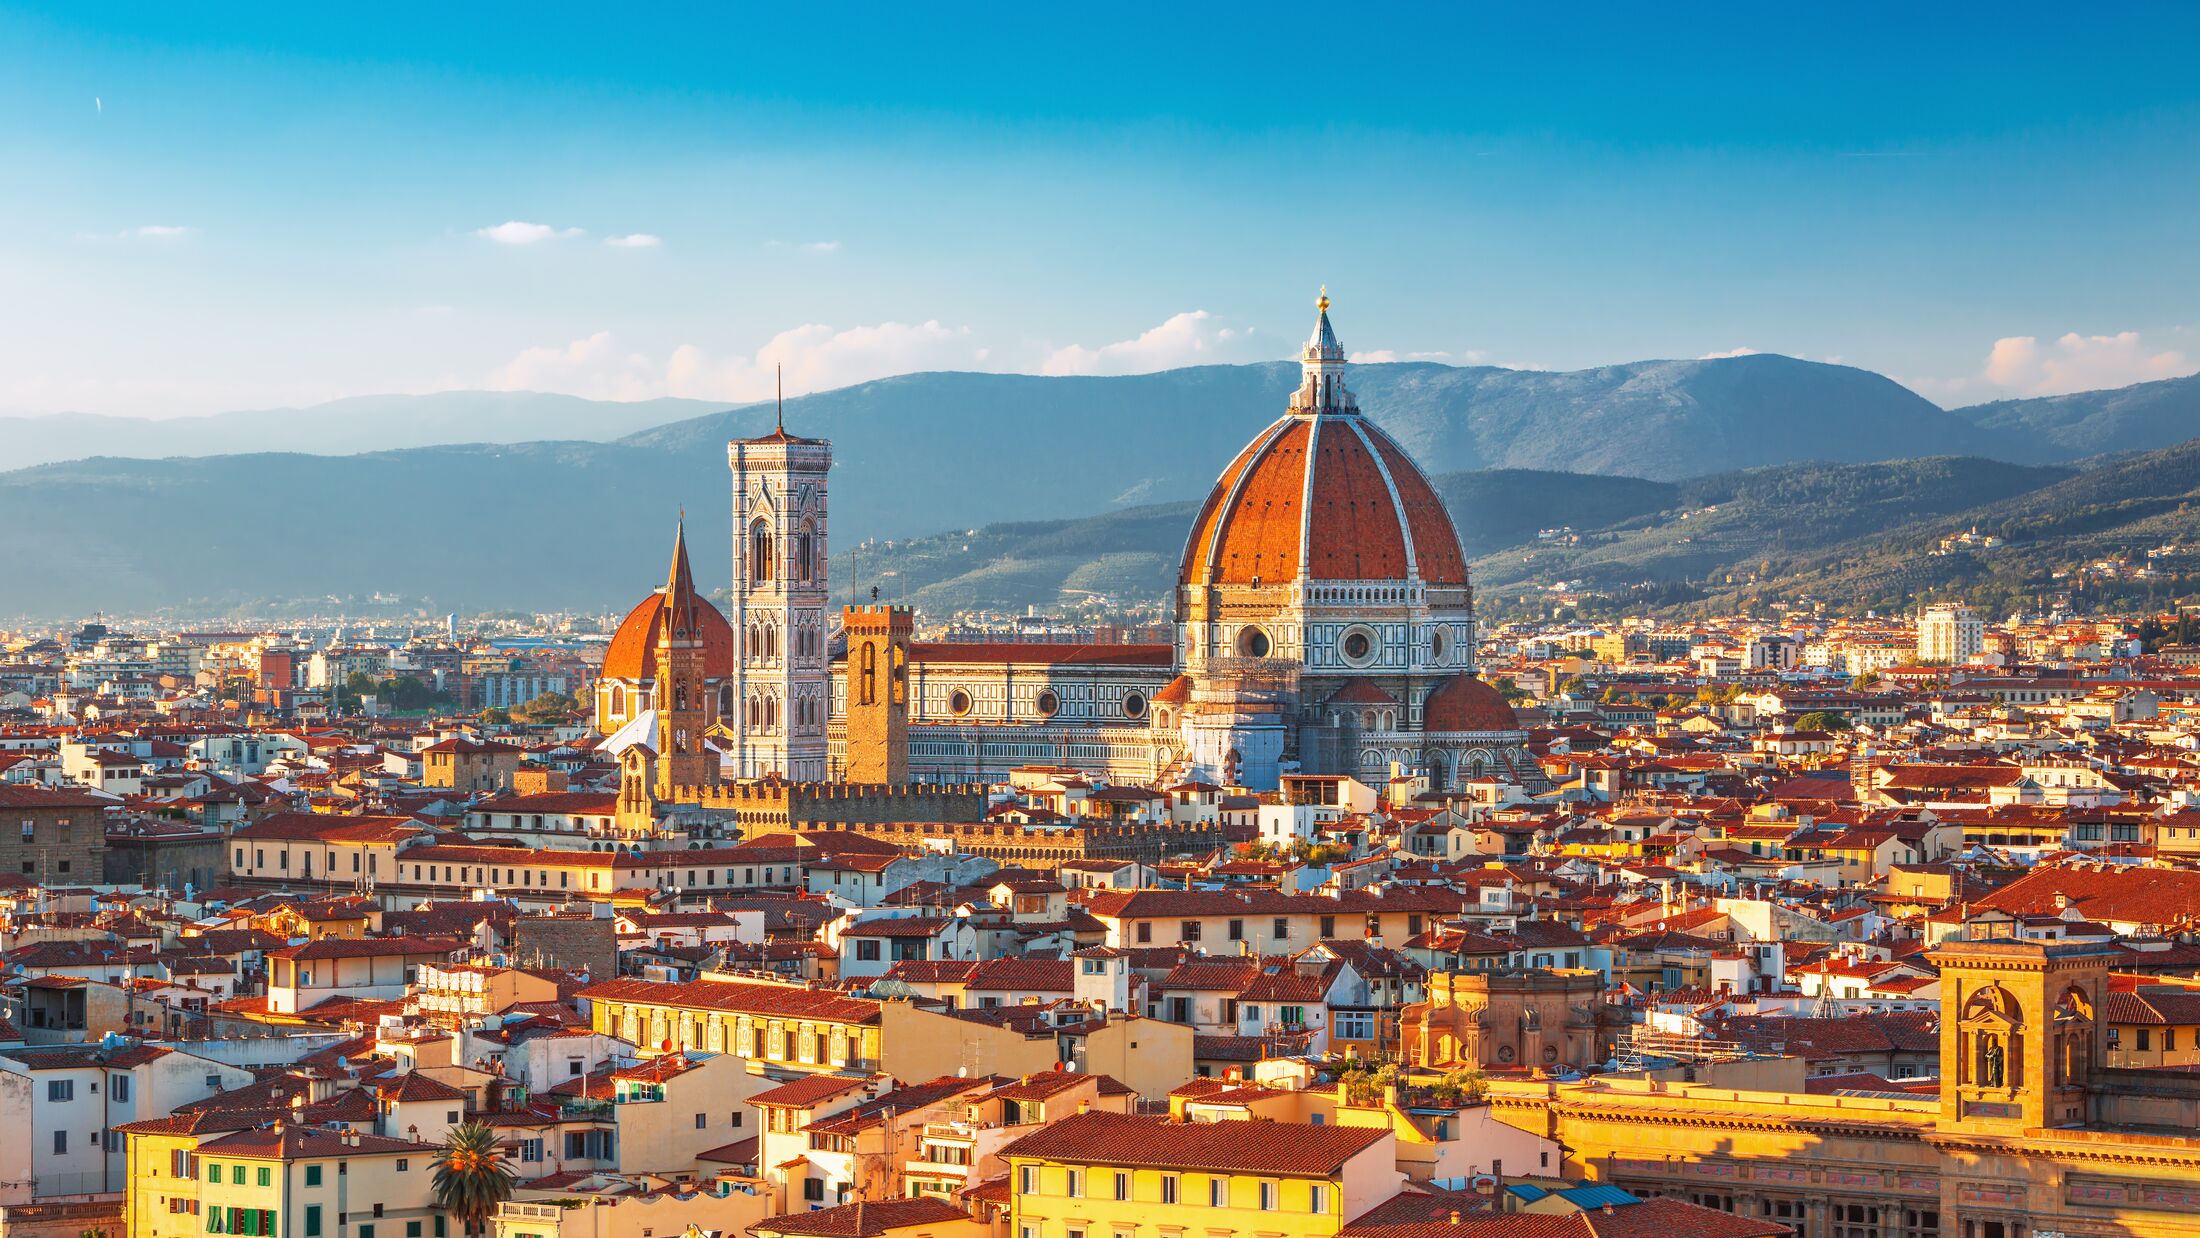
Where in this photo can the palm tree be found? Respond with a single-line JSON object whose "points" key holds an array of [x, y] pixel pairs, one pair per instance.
{"points": [[471, 1177]]}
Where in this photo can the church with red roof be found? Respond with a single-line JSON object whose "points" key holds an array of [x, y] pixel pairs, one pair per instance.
{"points": [[1324, 624]]}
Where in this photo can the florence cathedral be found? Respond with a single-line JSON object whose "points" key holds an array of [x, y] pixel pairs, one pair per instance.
{"points": [[1324, 625]]}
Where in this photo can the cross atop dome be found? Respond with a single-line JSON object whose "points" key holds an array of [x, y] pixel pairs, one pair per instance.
{"points": [[1321, 368]]}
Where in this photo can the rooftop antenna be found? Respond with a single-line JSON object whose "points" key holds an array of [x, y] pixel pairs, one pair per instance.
{"points": [[779, 381]]}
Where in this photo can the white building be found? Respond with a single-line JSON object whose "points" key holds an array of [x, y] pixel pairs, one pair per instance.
{"points": [[1950, 634]]}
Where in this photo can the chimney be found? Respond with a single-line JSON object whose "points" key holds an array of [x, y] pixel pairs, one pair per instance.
{"points": [[1084, 1106], [1455, 1216]]}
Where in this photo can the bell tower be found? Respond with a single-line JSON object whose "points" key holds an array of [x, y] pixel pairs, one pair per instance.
{"points": [[2020, 1032], [878, 693], [683, 709], [781, 668]]}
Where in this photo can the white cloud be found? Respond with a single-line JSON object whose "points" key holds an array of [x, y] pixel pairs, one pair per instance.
{"points": [[520, 232], [822, 247], [1190, 338], [634, 240], [1742, 351], [815, 357], [2024, 365], [144, 232], [593, 366], [1377, 356]]}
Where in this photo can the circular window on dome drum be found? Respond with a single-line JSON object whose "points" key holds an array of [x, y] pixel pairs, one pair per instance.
{"points": [[1358, 646], [1134, 704], [958, 702], [1252, 642], [1437, 645], [1048, 703]]}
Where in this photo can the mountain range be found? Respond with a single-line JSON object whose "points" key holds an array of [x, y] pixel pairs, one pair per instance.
{"points": [[1013, 463]]}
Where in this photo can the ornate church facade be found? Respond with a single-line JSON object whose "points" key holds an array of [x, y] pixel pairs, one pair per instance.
{"points": [[1324, 624]]}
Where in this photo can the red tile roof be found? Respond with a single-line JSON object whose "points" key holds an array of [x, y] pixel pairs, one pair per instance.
{"points": [[1283, 1148]]}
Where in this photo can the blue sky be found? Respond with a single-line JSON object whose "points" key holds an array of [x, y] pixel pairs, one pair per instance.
{"points": [[274, 205]]}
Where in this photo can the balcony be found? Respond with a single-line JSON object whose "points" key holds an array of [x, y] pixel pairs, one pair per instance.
{"points": [[510, 1211]]}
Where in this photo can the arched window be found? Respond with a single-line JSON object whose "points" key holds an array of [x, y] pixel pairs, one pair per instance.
{"points": [[725, 700], [618, 701], [805, 554], [760, 553]]}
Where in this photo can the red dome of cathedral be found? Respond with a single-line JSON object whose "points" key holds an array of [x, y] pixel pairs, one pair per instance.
{"points": [[1465, 703], [1323, 494], [633, 651]]}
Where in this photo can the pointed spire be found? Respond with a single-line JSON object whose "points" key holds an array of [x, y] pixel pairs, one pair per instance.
{"points": [[1321, 380], [1323, 345], [680, 581]]}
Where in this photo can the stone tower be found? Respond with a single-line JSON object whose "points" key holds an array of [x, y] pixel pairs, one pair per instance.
{"points": [[782, 673], [2020, 1032], [683, 706], [878, 693]]}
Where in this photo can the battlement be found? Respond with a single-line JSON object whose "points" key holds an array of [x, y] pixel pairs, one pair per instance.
{"points": [[773, 791], [880, 620]]}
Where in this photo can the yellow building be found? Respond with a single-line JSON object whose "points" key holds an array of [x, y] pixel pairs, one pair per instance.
{"points": [[2153, 1024], [1106, 1175], [785, 1026], [194, 1175], [2035, 1131], [162, 1159]]}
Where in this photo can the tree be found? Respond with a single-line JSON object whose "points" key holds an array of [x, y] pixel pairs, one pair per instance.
{"points": [[496, 716], [1820, 720], [471, 1176], [548, 706]]}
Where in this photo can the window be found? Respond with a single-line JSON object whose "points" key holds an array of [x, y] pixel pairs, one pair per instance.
{"points": [[60, 1089], [1281, 930], [1145, 932], [313, 1175], [1048, 703], [404, 1163], [1076, 1183], [1122, 1185], [867, 950], [1237, 930], [119, 1087], [412, 1229], [1329, 926], [236, 1175], [213, 1172], [1317, 1199], [701, 1122], [1267, 1197], [1028, 1180], [1188, 931], [265, 1176], [760, 553], [1218, 1192], [313, 1221], [813, 1189], [2145, 1039], [366, 1231], [1168, 1188], [61, 1143]]}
